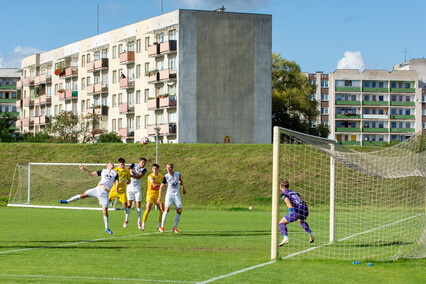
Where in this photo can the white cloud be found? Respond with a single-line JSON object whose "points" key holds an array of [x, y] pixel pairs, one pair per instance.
{"points": [[230, 5], [13, 59], [352, 60]]}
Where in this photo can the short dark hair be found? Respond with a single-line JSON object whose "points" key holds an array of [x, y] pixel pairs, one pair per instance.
{"points": [[155, 165], [121, 160], [170, 164], [285, 183], [142, 159]]}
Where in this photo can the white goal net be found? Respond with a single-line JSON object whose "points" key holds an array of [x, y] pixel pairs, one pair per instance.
{"points": [[44, 184], [362, 205]]}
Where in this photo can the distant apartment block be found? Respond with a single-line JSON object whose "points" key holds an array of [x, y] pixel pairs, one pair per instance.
{"points": [[8, 90], [370, 107], [193, 76]]}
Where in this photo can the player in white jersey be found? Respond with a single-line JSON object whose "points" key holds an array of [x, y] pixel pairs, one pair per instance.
{"points": [[173, 180], [134, 192], [108, 177]]}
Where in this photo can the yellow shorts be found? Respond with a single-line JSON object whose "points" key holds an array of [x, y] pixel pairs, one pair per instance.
{"points": [[152, 197], [122, 197]]}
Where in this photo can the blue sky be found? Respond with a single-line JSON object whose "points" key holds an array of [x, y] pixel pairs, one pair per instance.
{"points": [[318, 35]]}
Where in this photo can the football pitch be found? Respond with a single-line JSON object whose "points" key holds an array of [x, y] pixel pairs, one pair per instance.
{"points": [[227, 246]]}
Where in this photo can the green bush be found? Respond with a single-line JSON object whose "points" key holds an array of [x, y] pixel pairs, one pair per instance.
{"points": [[111, 137]]}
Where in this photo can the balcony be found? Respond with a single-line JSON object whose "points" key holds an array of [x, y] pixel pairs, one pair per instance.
{"points": [[126, 108], [101, 64], [165, 129], [348, 89], [45, 99], [41, 120], [18, 103], [127, 57], [166, 74], [45, 79], [37, 80], [161, 102], [375, 103], [168, 46], [19, 84], [90, 89], [348, 129], [126, 83], [402, 90], [101, 110], [28, 81], [402, 103], [348, 103], [62, 95], [381, 90], [154, 77], [90, 67], [70, 72], [70, 94], [126, 132], [26, 102], [380, 130], [375, 116], [402, 130], [7, 100], [100, 88], [154, 50], [396, 116], [348, 115]]}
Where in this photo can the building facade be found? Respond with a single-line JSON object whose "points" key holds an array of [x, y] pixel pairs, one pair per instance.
{"points": [[193, 76], [370, 107], [8, 91]]}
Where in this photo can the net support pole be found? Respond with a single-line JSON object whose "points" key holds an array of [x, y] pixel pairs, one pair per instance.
{"points": [[275, 200], [29, 183], [332, 192]]}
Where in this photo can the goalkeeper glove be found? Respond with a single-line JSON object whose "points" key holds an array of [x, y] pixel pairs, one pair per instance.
{"points": [[291, 211]]}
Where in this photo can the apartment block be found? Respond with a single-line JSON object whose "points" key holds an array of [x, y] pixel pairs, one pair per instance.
{"points": [[8, 90], [188, 76], [370, 107]]}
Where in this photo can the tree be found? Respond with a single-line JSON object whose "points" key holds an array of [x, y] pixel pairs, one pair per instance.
{"points": [[71, 128], [111, 137], [6, 131], [292, 107]]}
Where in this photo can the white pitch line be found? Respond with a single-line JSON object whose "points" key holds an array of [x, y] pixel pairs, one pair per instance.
{"points": [[94, 278], [237, 272]]}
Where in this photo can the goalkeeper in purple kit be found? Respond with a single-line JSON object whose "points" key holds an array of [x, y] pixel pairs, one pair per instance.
{"points": [[298, 211]]}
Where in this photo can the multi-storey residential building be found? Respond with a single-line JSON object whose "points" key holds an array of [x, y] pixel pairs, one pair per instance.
{"points": [[8, 91], [193, 76], [369, 107]]}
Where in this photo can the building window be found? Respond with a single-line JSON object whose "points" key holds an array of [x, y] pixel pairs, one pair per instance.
{"points": [[138, 71], [138, 46], [114, 52], [172, 63], [146, 68], [314, 82], [83, 60], [88, 58], [407, 85], [324, 97], [313, 97], [138, 122], [114, 125], [120, 98], [114, 100], [120, 49], [138, 97], [172, 35], [324, 110], [120, 123], [146, 122], [324, 84], [146, 43], [146, 95]]}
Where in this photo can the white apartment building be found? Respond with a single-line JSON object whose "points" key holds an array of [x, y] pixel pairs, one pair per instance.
{"points": [[193, 76]]}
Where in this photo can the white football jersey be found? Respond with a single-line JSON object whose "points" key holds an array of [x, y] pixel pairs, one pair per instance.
{"points": [[136, 183], [108, 178], [172, 182]]}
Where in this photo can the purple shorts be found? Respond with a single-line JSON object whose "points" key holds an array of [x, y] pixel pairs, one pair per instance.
{"points": [[297, 215]]}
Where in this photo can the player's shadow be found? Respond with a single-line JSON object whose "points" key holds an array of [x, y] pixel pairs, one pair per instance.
{"points": [[387, 244], [228, 234]]}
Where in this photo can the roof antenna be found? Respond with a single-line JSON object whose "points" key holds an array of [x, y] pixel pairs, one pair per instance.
{"points": [[405, 51], [98, 19], [221, 9]]}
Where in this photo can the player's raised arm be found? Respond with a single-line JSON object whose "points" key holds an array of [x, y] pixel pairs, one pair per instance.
{"points": [[94, 174]]}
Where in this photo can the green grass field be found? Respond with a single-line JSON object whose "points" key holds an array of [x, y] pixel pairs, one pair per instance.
{"points": [[221, 246]]}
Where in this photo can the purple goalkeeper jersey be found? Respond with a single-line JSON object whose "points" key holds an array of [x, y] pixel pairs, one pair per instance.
{"points": [[295, 200]]}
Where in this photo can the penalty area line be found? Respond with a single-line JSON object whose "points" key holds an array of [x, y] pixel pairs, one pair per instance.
{"points": [[94, 278]]}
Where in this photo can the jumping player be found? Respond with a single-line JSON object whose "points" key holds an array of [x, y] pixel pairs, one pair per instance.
{"points": [[172, 179], [108, 177], [298, 210], [124, 179], [152, 193], [134, 192]]}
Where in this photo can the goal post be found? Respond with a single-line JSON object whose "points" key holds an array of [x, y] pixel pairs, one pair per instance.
{"points": [[42, 185], [362, 205]]}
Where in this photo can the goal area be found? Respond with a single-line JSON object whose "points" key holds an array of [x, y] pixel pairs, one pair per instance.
{"points": [[44, 184], [362, 205]]}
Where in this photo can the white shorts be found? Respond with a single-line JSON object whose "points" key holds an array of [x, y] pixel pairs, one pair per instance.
{"points": [[134, 195], [173, 199], [99, 193]]}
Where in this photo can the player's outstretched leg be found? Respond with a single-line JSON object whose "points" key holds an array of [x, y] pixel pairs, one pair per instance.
{"points": [[163, 221], [74, 198], [108, 231], [307, 230]]}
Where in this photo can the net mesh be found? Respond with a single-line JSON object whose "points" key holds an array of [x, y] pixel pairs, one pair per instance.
{"points": [[49, 183], [379, 198]]}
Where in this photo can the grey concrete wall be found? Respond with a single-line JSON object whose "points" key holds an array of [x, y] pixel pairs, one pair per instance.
{"points": [[187, 78]]}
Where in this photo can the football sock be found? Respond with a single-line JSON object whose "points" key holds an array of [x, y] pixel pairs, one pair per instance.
{"points": [[160, 217], [283, 229], [306, 227], [177, 218], [74, 198], [106, 222], [127, 210], [139, 213], [145, 216], [163, 220]]}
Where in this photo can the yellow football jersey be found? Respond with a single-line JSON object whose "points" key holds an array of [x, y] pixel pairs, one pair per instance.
{"points": [[123, 177], [157, 179]]}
